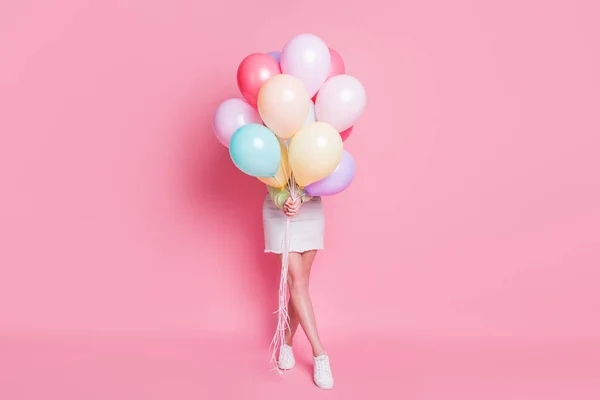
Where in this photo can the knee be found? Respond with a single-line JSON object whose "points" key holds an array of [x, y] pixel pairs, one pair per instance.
{"points": [[299, 282]]}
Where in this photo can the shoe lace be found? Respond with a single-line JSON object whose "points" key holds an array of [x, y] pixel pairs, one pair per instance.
{"points": [[285, 354], [323, 368]]}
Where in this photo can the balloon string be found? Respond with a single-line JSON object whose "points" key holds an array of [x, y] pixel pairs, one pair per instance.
{"points": [[278, 181], [283, 318]]}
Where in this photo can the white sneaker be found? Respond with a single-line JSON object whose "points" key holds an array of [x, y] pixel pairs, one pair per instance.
{"points": [[323, 376], [286, 357]]}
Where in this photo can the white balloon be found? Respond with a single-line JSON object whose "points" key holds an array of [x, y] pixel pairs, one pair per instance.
{"points": [[341, 102], [307, 58]]}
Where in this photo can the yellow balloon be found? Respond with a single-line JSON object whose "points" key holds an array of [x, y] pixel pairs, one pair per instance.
{"points": [[315, 152], [283, 105], [284, 172]]}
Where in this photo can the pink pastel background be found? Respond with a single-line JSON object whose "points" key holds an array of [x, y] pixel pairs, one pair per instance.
{"points": [[464, 261]]}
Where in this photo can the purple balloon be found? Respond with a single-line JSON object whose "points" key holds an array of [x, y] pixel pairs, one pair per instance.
{"points": [[231, 115], [337, 181], [276, 55]]}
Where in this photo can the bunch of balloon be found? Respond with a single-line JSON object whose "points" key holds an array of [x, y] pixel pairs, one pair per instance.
{"points": [[299, 107]]}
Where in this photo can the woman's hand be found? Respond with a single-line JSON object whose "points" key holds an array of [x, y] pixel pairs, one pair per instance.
{"points": [[291, 207]]}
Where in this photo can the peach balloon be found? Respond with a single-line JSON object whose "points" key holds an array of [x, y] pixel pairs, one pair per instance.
{"points": [[315, 152], [283, 105], [284, 172]]}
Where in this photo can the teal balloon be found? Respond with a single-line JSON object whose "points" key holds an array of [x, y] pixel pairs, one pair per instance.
{"points": [[255, 150]]}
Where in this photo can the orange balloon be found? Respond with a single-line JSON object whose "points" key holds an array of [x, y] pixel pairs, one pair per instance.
{"points": [[283, 105], [315, 152], [284, 172]]}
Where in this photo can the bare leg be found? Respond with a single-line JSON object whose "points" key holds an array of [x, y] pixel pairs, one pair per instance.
{"points": [[307, 259], [294, 322], [298, 278]]}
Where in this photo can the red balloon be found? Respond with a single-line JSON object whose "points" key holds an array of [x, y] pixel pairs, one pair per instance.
{"points": [[345, 134], [337, 68], [337, 64], [253, 71]]}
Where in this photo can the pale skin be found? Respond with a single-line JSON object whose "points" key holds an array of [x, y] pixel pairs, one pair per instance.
{"points": [[300, 306]]}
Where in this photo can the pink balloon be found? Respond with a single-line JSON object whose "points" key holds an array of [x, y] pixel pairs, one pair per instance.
{"points": [[337, 67], [346, 134], [231, 115], [307, 58], [337, 64], [253, 71]]}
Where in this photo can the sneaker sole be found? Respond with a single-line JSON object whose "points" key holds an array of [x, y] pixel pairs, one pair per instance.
{"points": [[286, 367], [324, 387]]}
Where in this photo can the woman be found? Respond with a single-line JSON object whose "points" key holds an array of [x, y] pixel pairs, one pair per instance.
{"points": [[306, 232]]}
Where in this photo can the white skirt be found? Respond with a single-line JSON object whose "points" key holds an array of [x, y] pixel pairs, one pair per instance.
{"points": [[307, 228]]}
